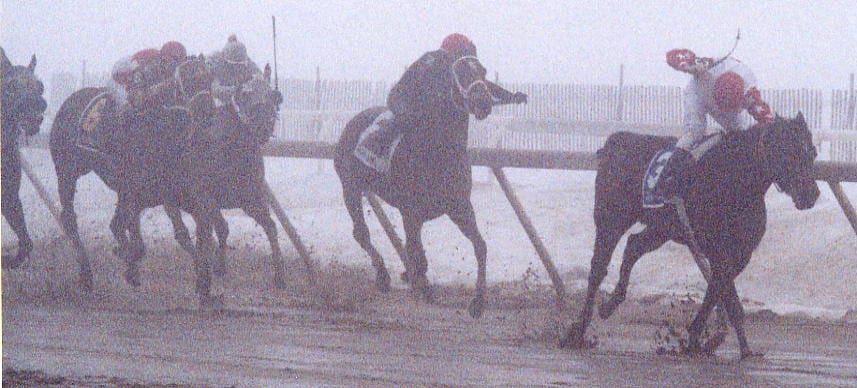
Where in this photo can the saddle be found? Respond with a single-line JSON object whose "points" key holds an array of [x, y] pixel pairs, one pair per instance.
{"points": [[375, 147], [659, 167]]}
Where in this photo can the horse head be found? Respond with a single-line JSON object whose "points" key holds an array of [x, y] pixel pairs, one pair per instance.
{"points": [[256, 103], [23, 104], [193, 80], [470, 91], [789, 152]]}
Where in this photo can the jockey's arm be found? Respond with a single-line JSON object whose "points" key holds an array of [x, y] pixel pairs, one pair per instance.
{"points": [[758, 108]]}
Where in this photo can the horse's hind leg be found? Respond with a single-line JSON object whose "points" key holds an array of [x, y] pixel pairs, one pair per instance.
{"points": [[262, 215], [354, 204], [638, 245], [204, 249], [13, 211], [607, 235], [416, 255], [179, 228], [733, 306], [221, 229], [465, 218], [126, 228], [67, 185]]}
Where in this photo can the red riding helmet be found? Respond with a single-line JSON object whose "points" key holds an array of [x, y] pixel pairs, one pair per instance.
{"points": [[458, 44], [174, 51], [729, 92]]}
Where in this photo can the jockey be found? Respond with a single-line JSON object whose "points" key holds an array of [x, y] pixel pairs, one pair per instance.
{"points": [[409, 99], [152, 83], [720, 89], [230, 67]]}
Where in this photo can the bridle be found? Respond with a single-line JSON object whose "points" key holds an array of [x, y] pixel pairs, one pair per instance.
{"points": [[183, 94], [464, 91]]}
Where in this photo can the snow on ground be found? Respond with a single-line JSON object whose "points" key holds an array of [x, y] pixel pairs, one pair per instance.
{"points": [[806, 262]]}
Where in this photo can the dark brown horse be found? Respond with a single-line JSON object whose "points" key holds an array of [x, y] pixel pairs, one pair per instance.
{"points": [[429, 176], [252, 114], [725, 205], [23, 111], [143, 157]]}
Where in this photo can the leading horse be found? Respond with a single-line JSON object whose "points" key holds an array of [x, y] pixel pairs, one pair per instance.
{"points": [[429, 175], [23, 111], [725, 206]]}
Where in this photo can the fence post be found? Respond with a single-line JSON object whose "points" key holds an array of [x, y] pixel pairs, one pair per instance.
{"points": [[619, 102], [319, 121], [846, 206], [532, 234]]}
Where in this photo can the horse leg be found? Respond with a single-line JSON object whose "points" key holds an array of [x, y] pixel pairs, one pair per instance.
{"points": [[204, 250], [605, 242], [179, 228], [136, 249], [736, 315], [712, 297], [221, 228], [416, 256], [67, 186], [465, 218], [262, 215], [354, 204], [13, 211], [638, 245]]}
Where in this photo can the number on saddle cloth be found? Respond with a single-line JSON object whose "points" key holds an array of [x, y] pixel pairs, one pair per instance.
{"points": [[375, 147], [653, 174], [93, 130]]}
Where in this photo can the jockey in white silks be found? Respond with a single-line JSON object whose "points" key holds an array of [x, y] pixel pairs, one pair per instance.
{"points": [[721, 89]]}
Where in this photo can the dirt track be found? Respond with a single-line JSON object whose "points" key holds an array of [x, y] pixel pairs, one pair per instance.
{"points": [[392, 340]]}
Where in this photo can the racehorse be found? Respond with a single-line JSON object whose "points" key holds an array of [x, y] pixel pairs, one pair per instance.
{"points": [[253, 112], [23, 111], [725, 206], [142, 158], [429, 175]]}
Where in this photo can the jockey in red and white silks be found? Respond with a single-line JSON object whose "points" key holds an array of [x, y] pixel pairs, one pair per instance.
{"points": [[722, 90]]}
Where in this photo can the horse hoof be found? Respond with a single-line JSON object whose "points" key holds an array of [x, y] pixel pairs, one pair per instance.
{"points": [[404, 277], [280, 282], [132, 276], [477, 307], [750, 355], [382, 281], [573, 337], [713, 343], [13, 263], [606, 309], [212, 302]]}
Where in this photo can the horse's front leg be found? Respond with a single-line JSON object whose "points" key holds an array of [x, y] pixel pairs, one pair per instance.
{"points": [[12, 208], [465, 218], [180, 230], [416, 256]]}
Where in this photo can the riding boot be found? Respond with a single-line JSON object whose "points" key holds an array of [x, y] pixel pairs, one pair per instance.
{"points": [[674, 180]]}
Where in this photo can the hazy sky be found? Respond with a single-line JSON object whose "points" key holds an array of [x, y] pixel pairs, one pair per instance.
{"points": [[789, 44]]}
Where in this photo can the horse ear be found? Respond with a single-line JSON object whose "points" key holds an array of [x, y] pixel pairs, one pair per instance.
{"points": [[32, 65], [267, 73], [800, 118], [4, 59]]}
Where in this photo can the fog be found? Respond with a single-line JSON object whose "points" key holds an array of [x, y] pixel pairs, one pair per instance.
{"points": [[789, 44]]}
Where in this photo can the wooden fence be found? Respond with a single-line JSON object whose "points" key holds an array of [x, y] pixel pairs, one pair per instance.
{"points": [[317, 110]]}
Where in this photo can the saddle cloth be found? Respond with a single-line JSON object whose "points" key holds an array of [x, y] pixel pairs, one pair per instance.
{"points": [[367, 144], [90, 120], [652, 175]]}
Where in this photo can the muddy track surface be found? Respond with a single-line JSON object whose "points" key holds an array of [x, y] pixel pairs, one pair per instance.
{"points": [[393, 340]]}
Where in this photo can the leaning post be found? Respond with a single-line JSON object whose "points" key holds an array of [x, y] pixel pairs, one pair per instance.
{"points": [[847, 208], [388, 228], [292, 232], [532, 234]]}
